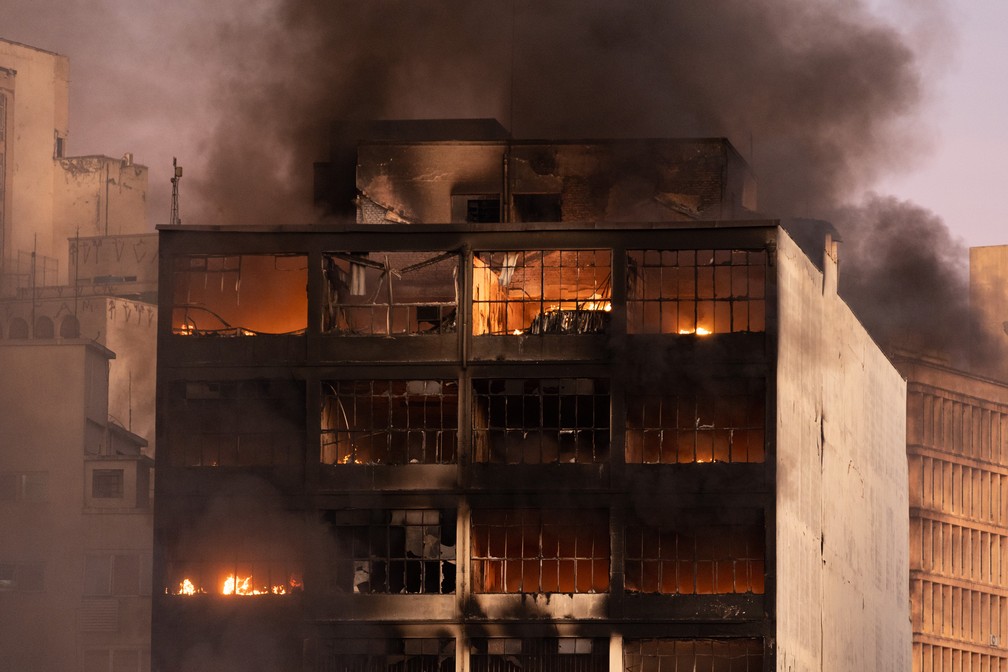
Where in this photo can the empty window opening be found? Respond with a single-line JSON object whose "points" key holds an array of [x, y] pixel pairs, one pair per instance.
{"points": [[31, 486], [699, 560], [691, 655], [483, 209], [247, 423], [546, 654], [536, 207], [415, 654], [541, 292], [695, 291], [262, 571], [107, 483], [398, 551], [390, 293], [702, 426], [541, 421], [390, 422], [533, 551], [240, 295]]}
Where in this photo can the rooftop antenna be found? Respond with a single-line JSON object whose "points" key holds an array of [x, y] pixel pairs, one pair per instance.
{"points": [[175, 220]]}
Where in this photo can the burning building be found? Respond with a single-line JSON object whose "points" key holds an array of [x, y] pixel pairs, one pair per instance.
{"points": [[549, 404]]}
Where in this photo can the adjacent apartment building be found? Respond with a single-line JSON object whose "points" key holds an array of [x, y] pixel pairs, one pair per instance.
{"points": [[497, 424]]}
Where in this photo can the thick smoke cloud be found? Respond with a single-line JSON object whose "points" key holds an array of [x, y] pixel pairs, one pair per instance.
{"points": [[818, 91]]}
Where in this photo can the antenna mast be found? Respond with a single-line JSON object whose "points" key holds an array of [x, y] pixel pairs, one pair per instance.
{"points": [[175, 220]]}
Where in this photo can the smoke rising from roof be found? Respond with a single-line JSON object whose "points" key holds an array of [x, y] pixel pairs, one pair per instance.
{"points": [[820, 92]]}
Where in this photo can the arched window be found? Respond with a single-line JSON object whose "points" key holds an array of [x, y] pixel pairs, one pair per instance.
{"points": [[18, 328], [44, 327], [70, 327]]}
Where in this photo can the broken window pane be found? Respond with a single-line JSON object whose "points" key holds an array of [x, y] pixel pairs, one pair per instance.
{"points": [[701, 425], [546, 654], [540, 421], [673, 655], [696, 291], [413, 654], [390, 422], [541, 292], [393, 551], [240, 295], [700, 560], [244, 423], [388, 293], [533, 551]]}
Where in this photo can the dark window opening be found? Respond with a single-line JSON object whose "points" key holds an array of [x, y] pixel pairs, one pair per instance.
{"points": [[31, 486], [548, 654], [383, 655], [398, 551], [537, 207], [107, 483], [698, 560], [698, 292], [541, 292], [533, 551], [541, 421], [112, 574], [247, 423], [727, 655], [483, 210], [697, 426], [390, 293], [70, 327], [391, 422], [26, 577]]}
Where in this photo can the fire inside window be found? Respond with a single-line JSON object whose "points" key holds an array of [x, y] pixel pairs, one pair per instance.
{"points": [[540, 551], [696, 291], [276, 575], [699, 560], [239, 295], [396, 551], [729, 655], [390, 422], [546, 654], [413, 654], [247, 423], [541, 292], [541, 421], [712, 425], [389, 293]]}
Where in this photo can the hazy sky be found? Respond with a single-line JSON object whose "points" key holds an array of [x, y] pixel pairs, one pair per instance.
{"points": [[146, 78]]}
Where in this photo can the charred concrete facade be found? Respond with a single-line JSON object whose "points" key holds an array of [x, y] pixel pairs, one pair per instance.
{"points": [[467, 446]]}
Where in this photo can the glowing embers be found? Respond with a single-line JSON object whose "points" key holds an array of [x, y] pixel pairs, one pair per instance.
{"points": [[398, 551], [412, 654], [541, 292], [540, 551], [390, 422], [689, 655], [546, 654], [700, 559], [541, 421], [697, 292], [705, 425], [241, 295], [389, 293], [244, 579]]}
